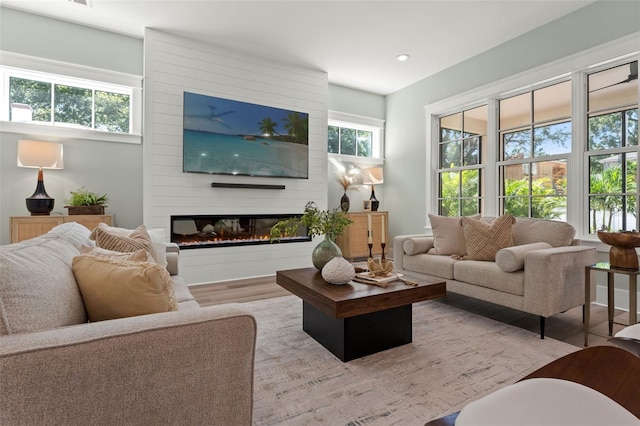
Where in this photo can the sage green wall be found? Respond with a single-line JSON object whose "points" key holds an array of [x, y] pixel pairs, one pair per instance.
{"points": [[406, 152], [357, 102], [114, 168]]}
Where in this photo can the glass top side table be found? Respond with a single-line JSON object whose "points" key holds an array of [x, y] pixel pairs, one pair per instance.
{"points": [[611, 271]]}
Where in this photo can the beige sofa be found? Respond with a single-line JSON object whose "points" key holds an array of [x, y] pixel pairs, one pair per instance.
{"points": [[191, 366], [542, 274]]}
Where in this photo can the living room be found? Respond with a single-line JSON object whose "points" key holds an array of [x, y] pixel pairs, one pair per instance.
{"points": [[144, 177]]}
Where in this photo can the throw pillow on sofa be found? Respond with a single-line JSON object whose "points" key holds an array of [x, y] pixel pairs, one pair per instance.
{"points": [[511, 259], [122, 288], [110, 238], [136, 256], [448, 237], [483, 240], [157, 237]]}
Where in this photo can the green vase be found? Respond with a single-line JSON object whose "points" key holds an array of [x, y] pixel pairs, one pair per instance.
{"points": [[324, 252]]}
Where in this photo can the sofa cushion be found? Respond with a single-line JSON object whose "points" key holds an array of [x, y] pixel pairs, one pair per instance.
{"points": [[415, 245], [110, 238], [483, 240], [448, 237], [122, 288], [430, 264], [37, 288], [512, 258], [489, 275], [556, 233]]}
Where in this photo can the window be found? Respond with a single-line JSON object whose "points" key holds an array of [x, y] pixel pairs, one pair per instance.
{"points": [[612, 148], [49, 98], [561, 143], [81, 104], [462, 150], [535, 140], [355, 139]]}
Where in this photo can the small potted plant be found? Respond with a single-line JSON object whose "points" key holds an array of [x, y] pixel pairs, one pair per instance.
{"points": [[83, 201], [329, 223]]}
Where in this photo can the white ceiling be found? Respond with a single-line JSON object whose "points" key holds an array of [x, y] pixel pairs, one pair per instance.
{"points": [[355, 42]]}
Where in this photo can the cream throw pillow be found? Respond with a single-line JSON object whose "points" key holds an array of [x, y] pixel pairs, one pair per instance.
{"points": [[483, 240], [448, 237], [113, 239], [122, 288]]}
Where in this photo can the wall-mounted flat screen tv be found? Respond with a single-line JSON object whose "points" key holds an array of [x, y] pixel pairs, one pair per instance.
{"points": [[227, 137]]}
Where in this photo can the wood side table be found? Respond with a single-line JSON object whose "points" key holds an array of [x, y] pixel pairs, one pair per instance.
{"points": [[353, 243], [611, 271]]}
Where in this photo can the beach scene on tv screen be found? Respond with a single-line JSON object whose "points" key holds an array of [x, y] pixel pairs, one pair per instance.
{"points": [[223, 136]]}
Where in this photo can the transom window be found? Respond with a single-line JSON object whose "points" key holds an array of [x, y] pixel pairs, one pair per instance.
{"points": [[47, 99], [354, 138]]}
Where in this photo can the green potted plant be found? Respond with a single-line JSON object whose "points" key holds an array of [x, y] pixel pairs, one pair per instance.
{"points": [[330, 223], [83, 201]]}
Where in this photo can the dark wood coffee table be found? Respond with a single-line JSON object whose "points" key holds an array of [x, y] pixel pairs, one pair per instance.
{"points": [[355, 320]]}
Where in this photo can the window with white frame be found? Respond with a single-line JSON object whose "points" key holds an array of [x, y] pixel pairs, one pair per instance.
{"points": [[564, 148], [612, 148], [462, 151], [356, 139], [45, 97], [534, 134]]}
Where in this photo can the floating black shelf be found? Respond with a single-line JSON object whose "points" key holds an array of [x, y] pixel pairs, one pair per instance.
{"points": [[245, 185]]}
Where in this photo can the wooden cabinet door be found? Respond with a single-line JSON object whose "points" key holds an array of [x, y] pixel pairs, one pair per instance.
{"points": [[23, 228]]}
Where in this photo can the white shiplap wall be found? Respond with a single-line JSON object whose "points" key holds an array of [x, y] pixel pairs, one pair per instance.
{"points": [[174, 65]]}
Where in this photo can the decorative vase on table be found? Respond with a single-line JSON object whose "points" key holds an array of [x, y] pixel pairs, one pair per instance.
{"points": [[324, 252], [374, 201], [345, 203]]}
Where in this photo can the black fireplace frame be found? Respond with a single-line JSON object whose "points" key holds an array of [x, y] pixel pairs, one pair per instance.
{"points": [[202, 239]]}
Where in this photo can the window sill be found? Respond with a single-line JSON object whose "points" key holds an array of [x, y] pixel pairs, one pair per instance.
{"points": [[67, 132]]}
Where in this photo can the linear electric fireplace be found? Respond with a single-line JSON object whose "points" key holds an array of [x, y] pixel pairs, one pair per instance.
{"points": [[200, 231]]}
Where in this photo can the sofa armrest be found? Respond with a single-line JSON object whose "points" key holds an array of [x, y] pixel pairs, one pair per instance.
{"points": [[399, 251], [184, 367], [554, 279], [173, 256]]}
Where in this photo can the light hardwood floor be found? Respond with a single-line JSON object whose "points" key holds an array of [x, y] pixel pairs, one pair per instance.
{"points": [[566, 327]]}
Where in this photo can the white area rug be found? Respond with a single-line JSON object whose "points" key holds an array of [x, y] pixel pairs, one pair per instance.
{"points": [[455, 358]]}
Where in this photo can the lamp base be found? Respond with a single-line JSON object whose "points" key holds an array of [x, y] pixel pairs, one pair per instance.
{"points": [[40, 206]]}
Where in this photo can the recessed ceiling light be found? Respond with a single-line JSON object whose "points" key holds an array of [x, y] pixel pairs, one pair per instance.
{"points": [[403, 57], [82, 2]]}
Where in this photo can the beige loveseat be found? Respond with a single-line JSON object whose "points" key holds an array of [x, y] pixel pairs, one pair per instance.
{"points": [[541, 274], [191, 366]]}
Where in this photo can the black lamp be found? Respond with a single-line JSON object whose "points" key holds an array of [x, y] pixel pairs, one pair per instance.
{"points": [[373, 176], [43, 155]]}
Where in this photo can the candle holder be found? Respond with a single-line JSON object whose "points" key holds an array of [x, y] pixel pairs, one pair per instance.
{"points": [[383, 246], [370, 248]]}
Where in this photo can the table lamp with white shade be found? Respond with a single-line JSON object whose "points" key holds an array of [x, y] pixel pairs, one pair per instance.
{"points": [[41, 155], [373, 176]]}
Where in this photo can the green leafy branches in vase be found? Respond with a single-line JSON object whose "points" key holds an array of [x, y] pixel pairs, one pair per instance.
{"points": [[330, 223]]}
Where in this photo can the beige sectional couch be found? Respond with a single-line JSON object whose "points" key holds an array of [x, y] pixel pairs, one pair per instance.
{"points": [[190, 366], [542, 273]]}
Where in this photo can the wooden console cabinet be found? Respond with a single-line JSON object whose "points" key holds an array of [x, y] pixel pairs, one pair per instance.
{"points": [[353, 242], [25, 227]]}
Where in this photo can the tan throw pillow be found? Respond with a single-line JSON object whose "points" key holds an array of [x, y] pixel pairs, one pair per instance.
{"points": [[483, 240], [122, 288], [448, 237], [136, 256], [112, 239]]}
